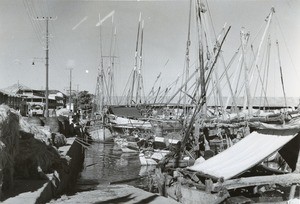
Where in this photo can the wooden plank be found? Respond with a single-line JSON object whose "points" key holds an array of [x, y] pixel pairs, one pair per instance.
{"points": [[257, 180], [115, 194], [195, 196]]}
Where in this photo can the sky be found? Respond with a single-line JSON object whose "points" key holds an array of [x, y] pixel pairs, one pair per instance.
{"points": [[74, 39]]}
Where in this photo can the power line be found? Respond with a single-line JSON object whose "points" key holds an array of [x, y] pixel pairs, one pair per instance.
{"points": [[35, 28]]}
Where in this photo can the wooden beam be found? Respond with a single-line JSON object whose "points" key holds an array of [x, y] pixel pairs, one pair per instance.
{"points": [[291, 178]]}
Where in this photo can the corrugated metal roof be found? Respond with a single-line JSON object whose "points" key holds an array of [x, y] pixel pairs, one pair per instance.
{"points": [[13, 89], [9, 94], [245, 154]]}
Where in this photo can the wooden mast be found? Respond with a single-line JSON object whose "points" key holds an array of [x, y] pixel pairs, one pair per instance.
{"points": [[257, 57], [187, 57], [281, 75], [244, 41], [112, 66], [100, 84], [201, 102], [201, 59], [135, 63], [139, 87]]}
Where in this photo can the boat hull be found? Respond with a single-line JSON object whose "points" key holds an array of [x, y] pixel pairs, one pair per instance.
{"points": [[190, 195], [101, 135], [153, 158]]}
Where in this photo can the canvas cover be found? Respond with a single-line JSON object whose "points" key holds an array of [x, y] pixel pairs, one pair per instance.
{"points": [[245, 154], [123, 111]]}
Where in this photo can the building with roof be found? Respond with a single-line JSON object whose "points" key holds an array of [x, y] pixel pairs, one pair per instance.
{"points": [[17, 96], [14, 101]]}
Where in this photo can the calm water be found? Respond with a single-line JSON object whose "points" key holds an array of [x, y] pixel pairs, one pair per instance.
{"points": [[106, 164]]}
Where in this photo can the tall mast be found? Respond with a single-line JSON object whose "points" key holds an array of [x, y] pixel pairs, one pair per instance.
{"points": [[187, 53], [112, 66], [268, 67], [281, 75], [269, 19], [101, 70], [201, 58], [244, 41], [202, 100], [140, 77], [135, 61], [99, 95]]}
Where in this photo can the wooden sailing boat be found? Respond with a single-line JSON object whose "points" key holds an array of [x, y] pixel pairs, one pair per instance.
{"points": [[218, 178], [98, 132], [126, 119]]}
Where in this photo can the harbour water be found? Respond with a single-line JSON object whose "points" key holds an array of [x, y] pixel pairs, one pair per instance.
{"points": [[106, 164]]}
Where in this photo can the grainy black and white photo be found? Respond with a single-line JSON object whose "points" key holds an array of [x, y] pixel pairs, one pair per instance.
{"points": [[149, 101]]}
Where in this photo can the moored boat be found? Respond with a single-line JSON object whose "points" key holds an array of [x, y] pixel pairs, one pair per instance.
{"points": [[100, 134]]}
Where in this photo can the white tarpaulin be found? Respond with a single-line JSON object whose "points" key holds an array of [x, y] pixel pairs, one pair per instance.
{"points": [[245, 154]]}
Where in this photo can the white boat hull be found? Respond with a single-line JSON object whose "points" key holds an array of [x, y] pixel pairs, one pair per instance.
{"points": [[120, 122], [100, 135], [129, 150]]}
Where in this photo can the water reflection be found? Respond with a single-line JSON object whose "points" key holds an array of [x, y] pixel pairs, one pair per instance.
{"points": [[106, 164]]}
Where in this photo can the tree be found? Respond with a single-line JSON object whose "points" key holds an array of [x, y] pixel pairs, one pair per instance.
{"points": [[85, 101]]}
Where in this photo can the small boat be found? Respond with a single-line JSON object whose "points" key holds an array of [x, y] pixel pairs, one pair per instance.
{"points": [[214, 181], [158, 151], [129, 149], [124, 119], [149, 158], [126, 146], [100, 134]]}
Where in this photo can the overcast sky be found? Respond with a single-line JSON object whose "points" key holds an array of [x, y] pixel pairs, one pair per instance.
{"points": [[74, 41]]}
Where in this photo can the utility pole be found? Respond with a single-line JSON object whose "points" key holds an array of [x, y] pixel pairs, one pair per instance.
{"points": [[70, 91], [47, 67], [77, 94], [47, 61]]}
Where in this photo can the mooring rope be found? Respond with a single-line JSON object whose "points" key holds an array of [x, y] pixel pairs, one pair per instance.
{"points": [[82, 143]]}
